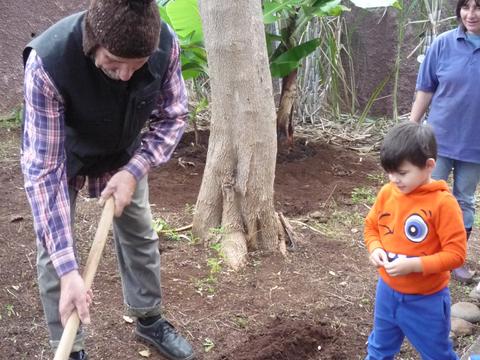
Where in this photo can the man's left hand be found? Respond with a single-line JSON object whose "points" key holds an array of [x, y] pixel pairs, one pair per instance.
{"points": [[122, 187]]}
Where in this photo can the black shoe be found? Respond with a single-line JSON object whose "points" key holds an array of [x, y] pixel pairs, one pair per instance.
{"points": [[165, 338], [78, 355]]}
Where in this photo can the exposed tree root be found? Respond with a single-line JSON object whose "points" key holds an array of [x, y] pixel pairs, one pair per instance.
{"points": [[289, 234]]}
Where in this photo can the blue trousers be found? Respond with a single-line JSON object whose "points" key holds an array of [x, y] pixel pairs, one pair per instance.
{"points": [[423, 319], [466, 176]]}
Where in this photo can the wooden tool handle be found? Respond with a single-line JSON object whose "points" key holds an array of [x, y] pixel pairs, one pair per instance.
{"points": [[73, 322]]}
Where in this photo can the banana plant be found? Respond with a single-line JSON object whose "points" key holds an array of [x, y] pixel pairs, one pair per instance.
{"points": [[287, 51], [184, 17]]}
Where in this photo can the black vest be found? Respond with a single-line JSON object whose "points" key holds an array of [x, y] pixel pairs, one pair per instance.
{"points": [[103, 117]]}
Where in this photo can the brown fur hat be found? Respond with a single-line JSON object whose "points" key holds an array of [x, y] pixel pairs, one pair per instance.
{"points": [[126, 28]]}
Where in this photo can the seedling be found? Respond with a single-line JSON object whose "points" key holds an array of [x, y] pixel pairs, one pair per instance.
{"points": [[13, 120], [10, 310], [363, 195], [377, 177], [208, 345], [241, 321], [162, 227]]}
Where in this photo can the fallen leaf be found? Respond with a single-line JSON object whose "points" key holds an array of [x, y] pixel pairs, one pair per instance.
{"points": [[145, 353], [184, 163], [128, 319]]}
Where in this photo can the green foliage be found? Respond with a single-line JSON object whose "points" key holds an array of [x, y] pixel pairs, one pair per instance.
{"points": [[214, 264], [12, 120], [363, 195], [241, 321], [10, 310], [184, 17], [217, 231], [202, 105], [347, 218], [275, 10], [160, 226], [291, 59], [378, 177], [293, 17]]}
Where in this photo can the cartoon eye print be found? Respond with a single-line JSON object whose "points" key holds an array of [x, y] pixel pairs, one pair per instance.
{"points": [[416, 229]]}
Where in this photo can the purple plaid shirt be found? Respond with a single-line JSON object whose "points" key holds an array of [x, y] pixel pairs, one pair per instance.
{"points": [[43, 155]]}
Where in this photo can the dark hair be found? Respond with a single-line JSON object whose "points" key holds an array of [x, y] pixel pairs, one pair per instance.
{"points": [[408, 141], [459, 6]]}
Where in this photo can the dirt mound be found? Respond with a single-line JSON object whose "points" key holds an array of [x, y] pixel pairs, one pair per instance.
{"points": [[286, 339]]}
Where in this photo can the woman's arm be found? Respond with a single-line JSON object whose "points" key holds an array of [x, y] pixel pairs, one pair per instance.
{"points": [[420, 105]]}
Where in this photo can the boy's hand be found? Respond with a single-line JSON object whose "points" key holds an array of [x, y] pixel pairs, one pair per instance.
{"points": [[378, 257], [403, 266]]}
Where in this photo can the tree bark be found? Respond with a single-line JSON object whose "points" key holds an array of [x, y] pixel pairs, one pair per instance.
{"points": [[236, 194]]}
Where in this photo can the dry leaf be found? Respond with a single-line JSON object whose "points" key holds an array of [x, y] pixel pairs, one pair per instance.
{"points": [[128, 319], [145, 353]]}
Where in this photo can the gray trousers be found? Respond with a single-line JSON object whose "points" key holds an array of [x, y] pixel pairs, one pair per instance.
{"points": [[136, 245]]}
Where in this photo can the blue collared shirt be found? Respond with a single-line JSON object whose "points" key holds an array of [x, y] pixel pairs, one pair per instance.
{"points": [[451, 71]]}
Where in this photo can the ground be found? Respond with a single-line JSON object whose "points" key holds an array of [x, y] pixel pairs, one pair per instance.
{"points": [[314, 304]]}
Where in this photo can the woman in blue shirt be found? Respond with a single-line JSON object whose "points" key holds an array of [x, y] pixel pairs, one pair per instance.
{"points": [[448, 86]]}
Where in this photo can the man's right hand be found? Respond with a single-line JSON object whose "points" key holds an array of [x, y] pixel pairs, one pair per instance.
{"points": [[74, 296]]}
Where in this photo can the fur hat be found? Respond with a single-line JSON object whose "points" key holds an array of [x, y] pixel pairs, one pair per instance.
{"points": [[126, 28]]}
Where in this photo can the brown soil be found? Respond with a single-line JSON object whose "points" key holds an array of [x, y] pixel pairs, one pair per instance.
{"points": [[314, 304]]}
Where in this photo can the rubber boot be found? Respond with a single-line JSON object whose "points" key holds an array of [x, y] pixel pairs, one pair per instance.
{"points": [[462, 274]]}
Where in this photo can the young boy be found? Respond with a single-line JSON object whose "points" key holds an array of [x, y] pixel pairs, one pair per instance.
{"points": [[415, 236]]}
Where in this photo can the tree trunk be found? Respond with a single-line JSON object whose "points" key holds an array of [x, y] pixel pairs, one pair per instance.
{"points": [[285, 108], [236, 194]]}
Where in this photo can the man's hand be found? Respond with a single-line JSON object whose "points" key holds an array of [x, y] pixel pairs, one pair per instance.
{"points": [[403, 266], [121, 186], [73, 295], [378, 257]]}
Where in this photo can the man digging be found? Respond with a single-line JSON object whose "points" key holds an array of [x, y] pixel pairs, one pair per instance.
{"points": [[92, 81]]}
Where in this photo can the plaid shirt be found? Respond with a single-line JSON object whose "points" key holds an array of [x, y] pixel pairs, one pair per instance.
{"points": [[44, 158]]}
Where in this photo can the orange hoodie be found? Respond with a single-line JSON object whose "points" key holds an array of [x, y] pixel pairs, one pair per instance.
{"points": [[427, 223]]}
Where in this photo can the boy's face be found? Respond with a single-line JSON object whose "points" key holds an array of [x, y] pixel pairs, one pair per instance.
{"points": [[408, 176]]}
